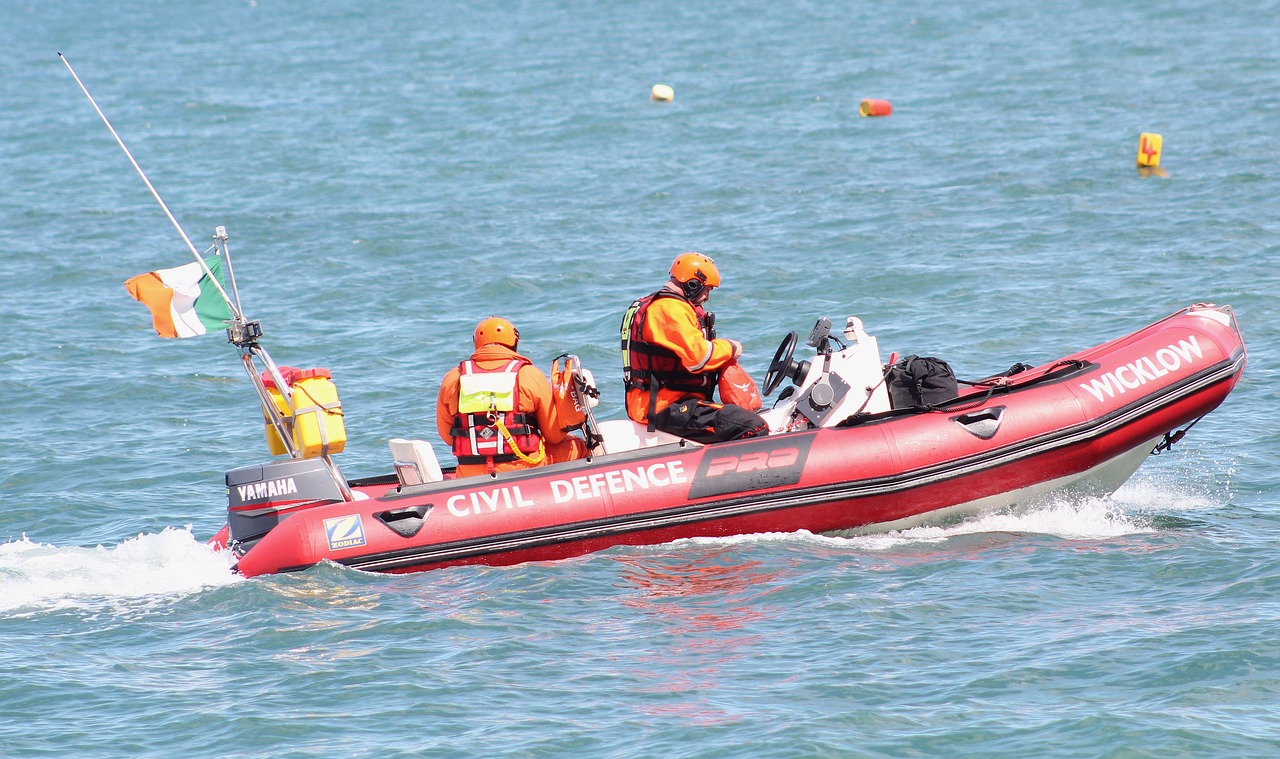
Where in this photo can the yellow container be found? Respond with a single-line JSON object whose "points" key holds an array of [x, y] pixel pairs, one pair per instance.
{"points": [[315, 418], [318, 429], [273, 438]]}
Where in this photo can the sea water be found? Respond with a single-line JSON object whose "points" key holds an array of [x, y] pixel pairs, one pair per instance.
{"points": [[390, 173]]}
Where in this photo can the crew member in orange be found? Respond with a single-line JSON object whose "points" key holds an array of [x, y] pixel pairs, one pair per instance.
{"points": [[495, 409], [672, 359]]}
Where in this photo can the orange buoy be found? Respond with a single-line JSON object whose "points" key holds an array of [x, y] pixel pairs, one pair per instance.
{"points": [[1149, 146], [871, 107]]}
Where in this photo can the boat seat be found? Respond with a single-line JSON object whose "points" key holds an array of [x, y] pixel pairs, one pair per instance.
{"points": [[415, 462], [618, 435]]}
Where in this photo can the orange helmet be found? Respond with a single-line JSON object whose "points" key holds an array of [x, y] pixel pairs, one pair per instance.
{"points": [[495, 329], [690, 266]]}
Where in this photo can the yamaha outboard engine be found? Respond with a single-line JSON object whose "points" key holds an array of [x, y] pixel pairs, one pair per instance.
{"points": [[260, 497]]}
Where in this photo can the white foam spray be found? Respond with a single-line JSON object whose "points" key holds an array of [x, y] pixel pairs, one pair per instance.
{"points": [[1128, 511], [37, 576]]}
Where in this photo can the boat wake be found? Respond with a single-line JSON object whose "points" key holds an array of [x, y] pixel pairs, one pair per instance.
{"points": [[42, 577], [1132, 510], [1087, 519]]}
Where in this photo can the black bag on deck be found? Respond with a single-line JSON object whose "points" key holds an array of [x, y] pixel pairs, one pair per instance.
{"points": [[918, 381], [709, 422]]}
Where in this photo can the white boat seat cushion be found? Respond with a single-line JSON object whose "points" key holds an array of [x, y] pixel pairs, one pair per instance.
{"points": [[626, 435], [415, 462]]}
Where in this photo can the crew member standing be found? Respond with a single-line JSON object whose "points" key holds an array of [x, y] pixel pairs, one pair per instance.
{"points": [[495, 409], [672, 360]]}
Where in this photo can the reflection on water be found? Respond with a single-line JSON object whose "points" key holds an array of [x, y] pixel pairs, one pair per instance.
{"points": [[711, 589], [707, 606]]}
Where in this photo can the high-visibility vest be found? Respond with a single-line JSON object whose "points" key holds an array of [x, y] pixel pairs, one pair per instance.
{"points": [[484, 397]]}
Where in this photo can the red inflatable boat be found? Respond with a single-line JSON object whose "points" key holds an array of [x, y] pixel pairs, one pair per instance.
{"points": [[840, 457]]}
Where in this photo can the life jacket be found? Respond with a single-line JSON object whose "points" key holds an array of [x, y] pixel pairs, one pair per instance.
{"points": [[649, 366], [486, 396]]}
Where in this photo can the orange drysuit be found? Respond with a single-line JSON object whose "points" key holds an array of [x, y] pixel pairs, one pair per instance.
{"points": [[534, 399]]}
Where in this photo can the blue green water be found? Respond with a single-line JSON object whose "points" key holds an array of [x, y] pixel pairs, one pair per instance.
{"points": [[392, 172]]}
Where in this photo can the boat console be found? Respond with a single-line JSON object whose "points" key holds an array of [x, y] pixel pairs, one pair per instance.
{"points": [[830, 387]]}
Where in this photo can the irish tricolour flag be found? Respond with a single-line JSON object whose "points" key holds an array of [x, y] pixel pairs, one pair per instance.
{"points": [[184, 302]]}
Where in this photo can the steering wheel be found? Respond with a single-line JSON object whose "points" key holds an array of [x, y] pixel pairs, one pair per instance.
{"points": [[782, 365]]}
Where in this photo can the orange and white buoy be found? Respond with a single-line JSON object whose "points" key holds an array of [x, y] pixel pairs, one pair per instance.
{"points": [[871, 107], [662, 93], [1149, 146]]}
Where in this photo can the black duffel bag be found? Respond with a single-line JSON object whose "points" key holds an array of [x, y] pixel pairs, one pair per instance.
{"points": [[920, 382]]}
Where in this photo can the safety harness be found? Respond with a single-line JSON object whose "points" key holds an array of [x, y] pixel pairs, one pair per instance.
{"points": [[487, 429]]}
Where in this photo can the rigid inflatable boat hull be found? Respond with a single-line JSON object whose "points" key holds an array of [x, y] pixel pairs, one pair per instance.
{"points": [[1079, 426]]}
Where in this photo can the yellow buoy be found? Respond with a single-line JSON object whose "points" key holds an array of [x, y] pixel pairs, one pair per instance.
{"points": [[1149, 145], [662, 93]]}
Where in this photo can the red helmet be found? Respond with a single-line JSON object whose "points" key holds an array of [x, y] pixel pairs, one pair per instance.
{"points": [[690, 266], [495, 329]]}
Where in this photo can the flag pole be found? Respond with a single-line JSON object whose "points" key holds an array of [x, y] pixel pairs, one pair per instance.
{"points": [[243, 334], [233, 306], [220, 238]]}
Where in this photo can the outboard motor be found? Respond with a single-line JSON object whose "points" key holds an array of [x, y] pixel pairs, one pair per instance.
{"points": [[259, 497]]}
